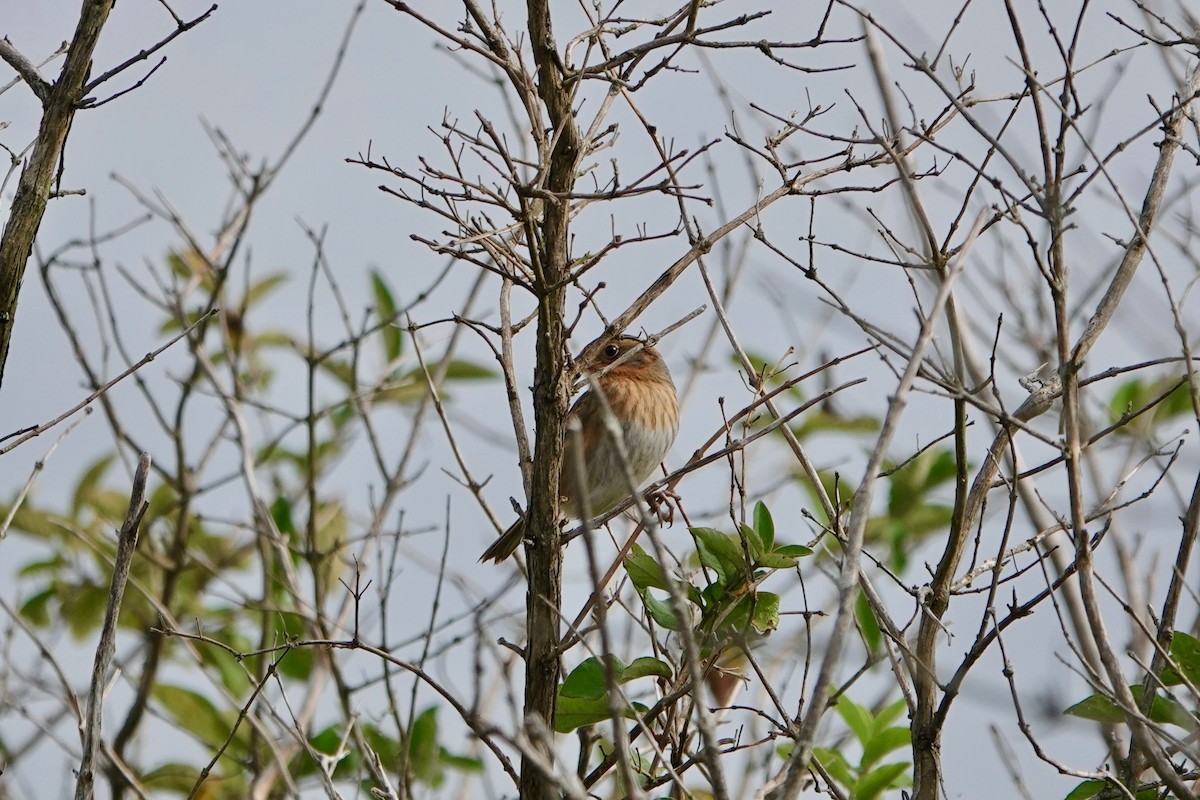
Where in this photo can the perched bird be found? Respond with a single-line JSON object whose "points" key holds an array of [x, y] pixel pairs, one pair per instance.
{"points": [[641, 394]]}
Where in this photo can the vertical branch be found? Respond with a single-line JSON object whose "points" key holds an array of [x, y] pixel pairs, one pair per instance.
{"points": [[848, 577], [33, 190], [551, 391], [126, 543]]}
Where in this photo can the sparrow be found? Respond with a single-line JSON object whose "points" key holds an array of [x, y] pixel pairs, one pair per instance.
{"points": [[641, 394]]}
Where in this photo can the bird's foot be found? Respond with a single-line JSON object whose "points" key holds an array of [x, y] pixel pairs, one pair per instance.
{"points": [[660, 504]]}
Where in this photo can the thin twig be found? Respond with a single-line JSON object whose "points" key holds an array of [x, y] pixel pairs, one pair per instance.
{"points": [[25, 434], [126, 544]]}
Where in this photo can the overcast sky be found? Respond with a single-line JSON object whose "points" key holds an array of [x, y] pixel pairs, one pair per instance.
{"points": [[254, 69]]}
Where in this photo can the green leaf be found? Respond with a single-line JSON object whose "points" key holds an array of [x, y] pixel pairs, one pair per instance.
{"points": [[765, 617], [774, 371], [583, 698], [1177, 403], [385, 306], [85, 489], [755, 542], [189, 263], [712, 597], [1097, 708], [298, 662], [325, 741], [402, 389], [341, 414], [645, 666], [424, 753], [195, 713], [922, 520], [821, 420], [660, 611], [720, 552], [332, 528], [889, 714], [387, 747], [1136, 394], [458, 370], [857, 718], [912, 483], [108, 504], [281, 513], [342, 371], [232, 672], [174, 777], [163, 500], [884, 742], [330, 740], [36, 608], [793, 551], [264, 287], [867, 624], [835, 764], [1185, 652], [877, 781], [1126, 398], [644, 571], [1167, 710], [463, 763], [82, 607], [838, 489], [1092, 788], [49, 566], [412, 385], [764, 525], [272, 338], [1086, 789], [175, 323], [1100, 708], [462, 370], [588, 680], [33, 521], [775, 560], [575, 712]]}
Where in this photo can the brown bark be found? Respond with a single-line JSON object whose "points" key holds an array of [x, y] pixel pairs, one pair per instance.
{"points": [[551, 393], [34, 187]]}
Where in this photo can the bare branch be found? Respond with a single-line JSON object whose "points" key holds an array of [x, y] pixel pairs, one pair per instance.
{"points": [[26, 69]]}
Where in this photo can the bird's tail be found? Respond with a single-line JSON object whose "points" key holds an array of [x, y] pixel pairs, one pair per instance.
{"points": [[507, 544]]}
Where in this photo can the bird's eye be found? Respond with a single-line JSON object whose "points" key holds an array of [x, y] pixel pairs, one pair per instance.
{"points": [[611, 351]]}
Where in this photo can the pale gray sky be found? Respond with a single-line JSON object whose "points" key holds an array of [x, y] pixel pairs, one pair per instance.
{"points": [[254, 69]]}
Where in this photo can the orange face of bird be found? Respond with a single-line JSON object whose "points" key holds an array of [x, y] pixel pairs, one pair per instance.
{"points": [[645, 364]]}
